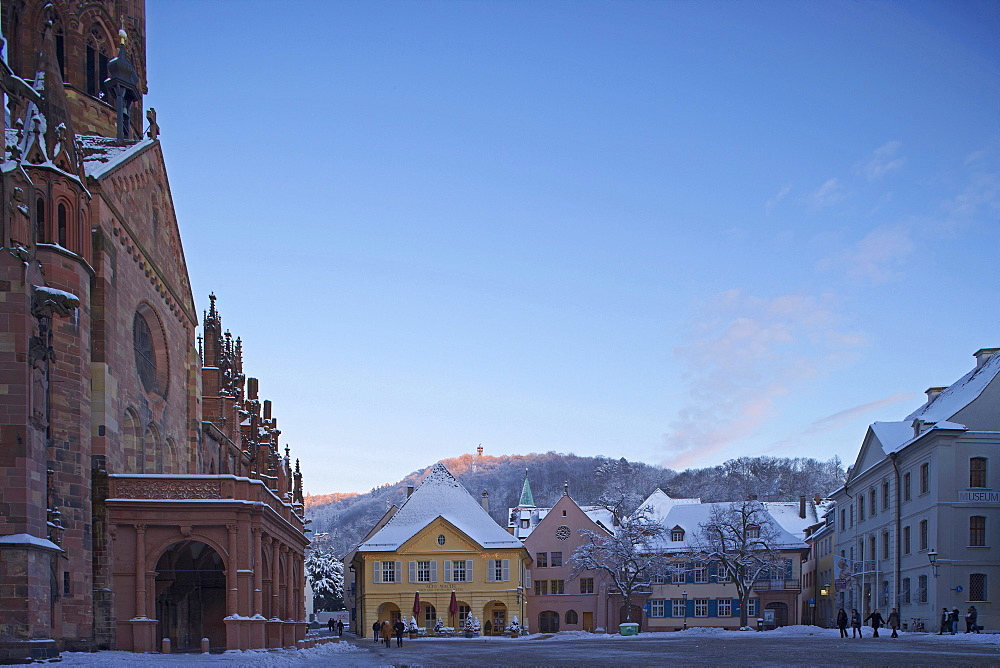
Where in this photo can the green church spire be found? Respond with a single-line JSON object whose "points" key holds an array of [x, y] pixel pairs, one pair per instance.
{"points": [[527, 500]]}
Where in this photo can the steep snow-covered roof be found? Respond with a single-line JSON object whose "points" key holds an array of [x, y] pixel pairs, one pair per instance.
{"points": [[892, 435], [102, 154], [787, 515], [660, 503], [440, 495], [959, 394], [690, 517]]}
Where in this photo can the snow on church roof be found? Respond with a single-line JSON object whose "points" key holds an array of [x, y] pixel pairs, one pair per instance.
{"points": [[440, 495], [102, 154]]}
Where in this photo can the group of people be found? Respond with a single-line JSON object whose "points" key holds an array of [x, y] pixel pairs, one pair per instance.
{"points": [[335, 625], [876, 619], [949, 620], [385, 631]]}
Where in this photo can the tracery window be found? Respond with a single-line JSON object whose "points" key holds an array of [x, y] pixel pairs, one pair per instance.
{"points": [[145, 357]]}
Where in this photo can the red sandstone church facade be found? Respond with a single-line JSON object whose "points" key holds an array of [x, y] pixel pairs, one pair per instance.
{"points": [[143, 494]]}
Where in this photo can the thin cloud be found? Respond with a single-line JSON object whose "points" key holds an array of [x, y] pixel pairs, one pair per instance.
{"points": [[828, 194], [875, 258], [838, 419], [749, 352], [773, 202], [883, 160]]}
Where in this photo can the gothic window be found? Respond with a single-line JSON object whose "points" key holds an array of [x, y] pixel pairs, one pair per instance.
{"points": [[61, 52], [61, 225], [97, 63], [145, 356], [40, 219]]}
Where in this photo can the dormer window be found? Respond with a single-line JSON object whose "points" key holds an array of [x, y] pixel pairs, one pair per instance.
{"points": [[753, 532], [677, 534]]}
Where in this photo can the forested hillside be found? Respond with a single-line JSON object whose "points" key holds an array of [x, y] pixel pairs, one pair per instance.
{"points": [[347, 517]]}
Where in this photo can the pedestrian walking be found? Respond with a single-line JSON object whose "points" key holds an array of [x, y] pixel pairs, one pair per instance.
{"points": [[330, 624], [386, 633], [376, 627], [954, 621], [399, 627], [894, 623], [945, 621], [856, 624], [340, 628], [970, 620], [877, 621], [842, 622]]}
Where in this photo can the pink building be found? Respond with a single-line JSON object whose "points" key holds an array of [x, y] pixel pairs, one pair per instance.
{"points": [[555, 602]]}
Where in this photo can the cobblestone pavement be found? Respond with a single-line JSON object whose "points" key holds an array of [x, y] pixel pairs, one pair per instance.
{"points": [[750, 650]]}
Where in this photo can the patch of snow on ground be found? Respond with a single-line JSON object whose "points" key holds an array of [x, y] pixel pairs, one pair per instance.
{"points": [[276, 657]]}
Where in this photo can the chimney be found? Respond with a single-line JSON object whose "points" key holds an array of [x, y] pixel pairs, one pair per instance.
{"points": [[267, 409], [409, 490], [802, 507], [983, 356], [932, 392], [252, 389], [486, 501]]}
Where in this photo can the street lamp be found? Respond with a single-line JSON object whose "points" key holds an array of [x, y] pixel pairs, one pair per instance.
{"points": [[685, 611], [933, 557]]}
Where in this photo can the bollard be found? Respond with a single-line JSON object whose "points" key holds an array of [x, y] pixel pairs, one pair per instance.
{"points": [[300, 644], [165, 646], [204, 645]]}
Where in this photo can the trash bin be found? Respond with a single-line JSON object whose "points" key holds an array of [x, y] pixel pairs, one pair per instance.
{"points": [[629, 629], [760, 623]]}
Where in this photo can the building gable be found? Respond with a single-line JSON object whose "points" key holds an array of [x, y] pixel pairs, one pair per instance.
{"points": [[428, 539]]}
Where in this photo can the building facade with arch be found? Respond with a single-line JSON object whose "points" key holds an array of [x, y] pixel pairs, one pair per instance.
{"points": [[440, 542], [142, 491]]}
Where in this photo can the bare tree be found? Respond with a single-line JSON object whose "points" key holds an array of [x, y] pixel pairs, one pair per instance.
{"points": [[745, 541], [618, 494], [629, 556]]}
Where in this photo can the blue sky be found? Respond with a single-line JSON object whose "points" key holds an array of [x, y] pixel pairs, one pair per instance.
{"points": [[677, 232]]}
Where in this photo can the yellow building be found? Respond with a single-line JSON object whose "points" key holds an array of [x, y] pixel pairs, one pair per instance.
{"points": [[440, 541]]}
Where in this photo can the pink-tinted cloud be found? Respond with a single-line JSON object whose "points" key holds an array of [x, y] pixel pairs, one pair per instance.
{"points": [[746, 354], [875, 258], [838, 419]]}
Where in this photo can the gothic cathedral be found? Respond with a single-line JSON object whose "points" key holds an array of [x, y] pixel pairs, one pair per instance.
{"points": [[143, 494]]}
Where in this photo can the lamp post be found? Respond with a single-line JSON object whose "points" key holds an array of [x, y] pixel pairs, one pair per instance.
{"points": [[685, 610], [932, 556]]}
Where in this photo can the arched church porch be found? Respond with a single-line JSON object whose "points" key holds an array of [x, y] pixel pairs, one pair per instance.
{"points": [[189, 558]]}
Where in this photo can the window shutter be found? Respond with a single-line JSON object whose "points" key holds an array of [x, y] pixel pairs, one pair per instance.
{"points": [[468, 571], [690, 607], [376, 572], [527, 578], [689, 576], [736, 608], [413, 571], [788, 569], [713, 607], [506, 570], [491, 570], [447, 570], [713, 573], [434, 571], [399, 572]]}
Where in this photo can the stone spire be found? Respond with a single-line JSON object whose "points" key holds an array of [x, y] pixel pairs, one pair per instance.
{"points": [[527, 500]]}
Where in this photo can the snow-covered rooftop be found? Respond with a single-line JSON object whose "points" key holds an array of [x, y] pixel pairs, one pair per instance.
{"points": [[959, 394], [788, 515], [102, 154], [660, 503], [440, 495], [690, 517]]}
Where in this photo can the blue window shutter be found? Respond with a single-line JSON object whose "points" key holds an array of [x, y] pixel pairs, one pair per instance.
{"points": [[689, 575], [690, 607], [712, 574], [713, 607]]}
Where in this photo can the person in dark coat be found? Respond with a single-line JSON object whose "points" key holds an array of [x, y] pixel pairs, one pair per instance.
{"points": [[386, 633], [954, 621], [856, 624], [894, 623], [970, 620], [945, 621], [399, 627], [376, 627], [340, 628], [876, 620], [842, 622], [330, 624]]}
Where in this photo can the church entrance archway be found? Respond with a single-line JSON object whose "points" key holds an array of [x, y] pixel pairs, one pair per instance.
{"points": [[548, 622], [191, 596]]}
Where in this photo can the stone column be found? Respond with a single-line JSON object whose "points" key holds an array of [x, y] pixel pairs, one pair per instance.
{"points": [[258, 574], [275, 585], [140, 570], [231, 570]]}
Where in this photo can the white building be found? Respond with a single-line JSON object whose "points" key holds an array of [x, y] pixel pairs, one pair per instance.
{"points": [[925, 489]]}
